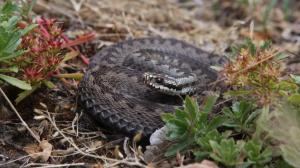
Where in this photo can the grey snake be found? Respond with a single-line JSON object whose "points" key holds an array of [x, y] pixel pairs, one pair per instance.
{"points": [[128, 85]]}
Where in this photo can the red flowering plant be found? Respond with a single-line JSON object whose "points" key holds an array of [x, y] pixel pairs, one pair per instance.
{"points": [[44, 47]]}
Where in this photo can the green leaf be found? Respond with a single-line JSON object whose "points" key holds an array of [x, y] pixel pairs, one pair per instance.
{"points": [[26, 93], [281, 56], [178, 147], [241, 116], [49, 84], [191, 107], [11, 56], [176, 133], [235, 49], [227, 151], [296, 78], [202, 120], [251, 46], [10, 69], [13, 43], [178, 123], [212, 135], [200, 155], [216, 122], [181, 114], [227, 112], [209, 103], [266, 45], [256, 155], [287, 86], [28, 29], [12, 22], [8, 8], [253, 115], [253, 148], [240, 106], [166, 117], [294, 99], [15, 82]]}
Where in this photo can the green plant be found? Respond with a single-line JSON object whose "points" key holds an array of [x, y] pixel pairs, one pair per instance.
{"points": [[241, 116], [228, 151], [255, 153], [190, 122], [204, 143], [10, 39]]}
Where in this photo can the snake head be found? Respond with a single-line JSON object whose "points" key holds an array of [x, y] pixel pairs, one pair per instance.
{"points": [[170, 85]]}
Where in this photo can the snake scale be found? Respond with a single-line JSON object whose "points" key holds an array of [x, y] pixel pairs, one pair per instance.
{"points": [[129, 84]]}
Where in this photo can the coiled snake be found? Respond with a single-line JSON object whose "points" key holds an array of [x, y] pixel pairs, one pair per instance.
{"points": [[128, 85]]}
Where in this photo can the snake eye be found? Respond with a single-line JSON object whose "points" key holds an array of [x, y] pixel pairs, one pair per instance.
{"points": [[159, 80]]}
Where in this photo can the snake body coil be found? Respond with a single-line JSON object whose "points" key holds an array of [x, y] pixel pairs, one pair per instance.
{"points": [[128, 85]]}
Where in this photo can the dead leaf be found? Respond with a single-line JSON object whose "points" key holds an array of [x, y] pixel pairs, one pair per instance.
{"points": [[94, 145], [97, 165], [203, 164], [40, 152]]}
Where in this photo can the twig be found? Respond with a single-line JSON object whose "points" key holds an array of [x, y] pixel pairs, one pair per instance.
{"points": [[75, 120], [19, 116], [125, 147], [11, 161], [41, 165]]}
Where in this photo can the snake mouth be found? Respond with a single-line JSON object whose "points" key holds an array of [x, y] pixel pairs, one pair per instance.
{"points": [[170, 85]]}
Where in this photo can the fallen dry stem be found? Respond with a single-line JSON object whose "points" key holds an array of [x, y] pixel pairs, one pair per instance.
{"points": [[15, 160], [41, 165], [19, 116]]}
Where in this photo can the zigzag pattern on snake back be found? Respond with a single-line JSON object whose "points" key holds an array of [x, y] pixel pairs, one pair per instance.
{"points": [[114, 90]]}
